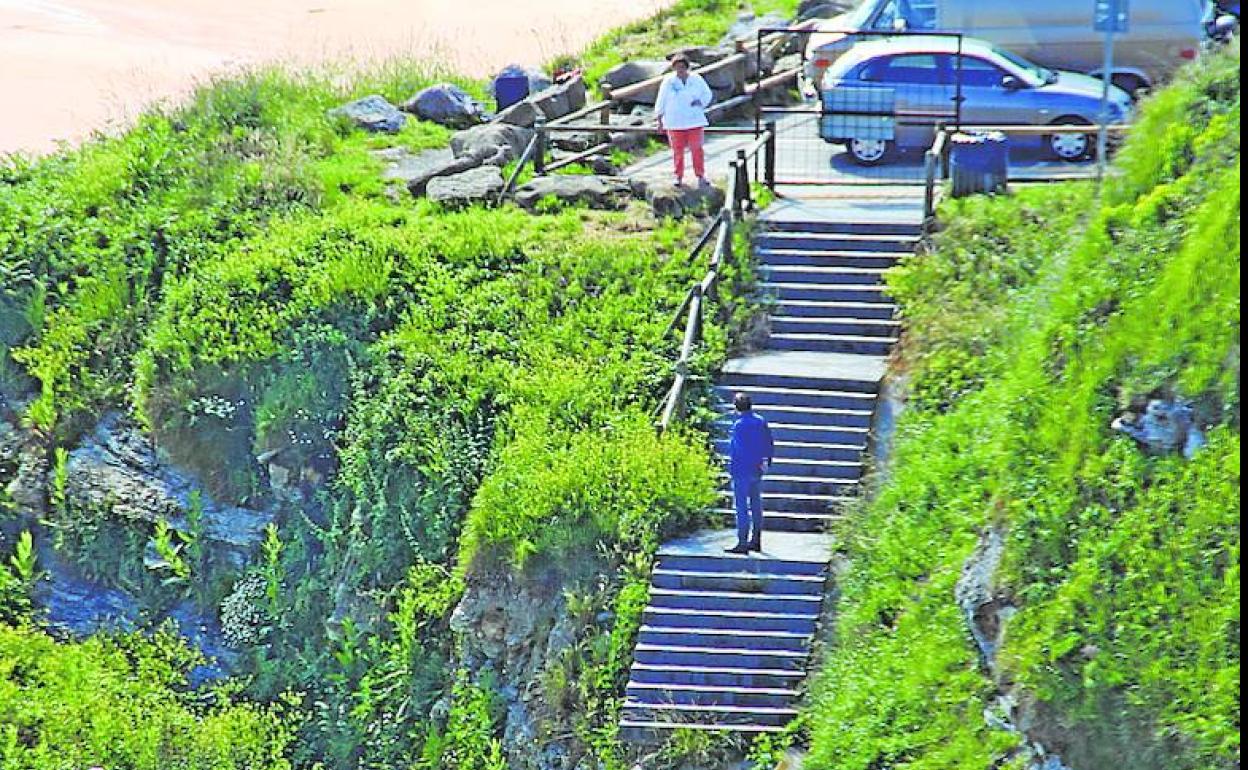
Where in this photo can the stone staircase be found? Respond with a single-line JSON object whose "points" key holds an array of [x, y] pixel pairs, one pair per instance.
{"points": [[725, 641]]}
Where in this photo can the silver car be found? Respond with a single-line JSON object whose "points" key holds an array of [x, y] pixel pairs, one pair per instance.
{"points": [[893, 92]]}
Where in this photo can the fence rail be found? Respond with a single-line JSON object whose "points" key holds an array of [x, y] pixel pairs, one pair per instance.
{"points": [[738, 199]]}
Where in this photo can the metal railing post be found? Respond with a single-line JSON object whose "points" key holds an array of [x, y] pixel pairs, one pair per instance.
{"points": [[769, 156], [539, 151]]}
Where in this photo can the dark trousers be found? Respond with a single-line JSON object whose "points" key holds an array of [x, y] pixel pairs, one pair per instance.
{"points": [[748, 493]]}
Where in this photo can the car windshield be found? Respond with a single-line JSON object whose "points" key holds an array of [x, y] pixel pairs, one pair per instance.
{"points": [[1041, 74]]}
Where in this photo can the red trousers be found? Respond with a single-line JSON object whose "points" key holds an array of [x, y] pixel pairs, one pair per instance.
{"points": [[691, 138]]}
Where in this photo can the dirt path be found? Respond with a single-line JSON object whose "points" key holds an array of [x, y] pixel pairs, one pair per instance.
{"points": [[71, 66]]}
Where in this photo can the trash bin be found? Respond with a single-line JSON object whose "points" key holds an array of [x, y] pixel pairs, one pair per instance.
{"points": [[979, 162], [510, 89]]}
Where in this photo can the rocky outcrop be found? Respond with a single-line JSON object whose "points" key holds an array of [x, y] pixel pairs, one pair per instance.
{"points": [[597, 192], [987, 611], [666, 199], [116, 470], [630, 72], [1164, 427], [478, 185], [448, 105], [496, 144], [372, 113], [561, 99]]}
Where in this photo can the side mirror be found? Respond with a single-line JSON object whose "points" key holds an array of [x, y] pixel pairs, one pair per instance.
{"points": [[1011, 83]]}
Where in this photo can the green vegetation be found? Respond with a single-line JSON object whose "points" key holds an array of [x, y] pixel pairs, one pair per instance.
{"points": [[441, 394], [1026, 339]]}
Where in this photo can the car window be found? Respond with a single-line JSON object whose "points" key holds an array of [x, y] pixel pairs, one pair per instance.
{"points": [[979, 73], [927, 69]]}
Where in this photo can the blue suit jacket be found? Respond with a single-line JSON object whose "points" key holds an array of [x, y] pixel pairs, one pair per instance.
{"points": [[751, 444]]}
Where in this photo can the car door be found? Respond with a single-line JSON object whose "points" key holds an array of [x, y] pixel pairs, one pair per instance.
{"points": [[923, 83], [986, 98]]}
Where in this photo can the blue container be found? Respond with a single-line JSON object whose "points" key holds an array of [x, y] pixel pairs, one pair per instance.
{"points": [[979, 162], [510, 89]]}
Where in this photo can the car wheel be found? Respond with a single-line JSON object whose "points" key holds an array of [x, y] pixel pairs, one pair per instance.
{"points": [[1071, 148], [869, 152]]}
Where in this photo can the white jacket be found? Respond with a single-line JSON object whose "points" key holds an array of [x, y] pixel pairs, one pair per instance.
{"points": [[675, 103]]}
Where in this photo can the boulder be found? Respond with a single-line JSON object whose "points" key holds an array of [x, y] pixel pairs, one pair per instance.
{"points": [[668, 200], [747, 27], [117, 472], [562, 99], [577, 141], [524, 114], [630, 72], [597, 192], [1165, 426], [372, 113], [415, 171], [495, 144], [446, 104], [477, 185]]}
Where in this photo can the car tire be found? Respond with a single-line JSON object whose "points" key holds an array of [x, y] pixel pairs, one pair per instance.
{"points": [[1072, 148], [869, 152]]}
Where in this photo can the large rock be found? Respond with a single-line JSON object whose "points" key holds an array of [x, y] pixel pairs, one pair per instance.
{"points": [[446, 104], [666, 199], [562, 99], [372, 113], [479, 185], [415, 171], [116, 471], [523, 113], [631, 72], [597, 192], [1165, 426], [747, 27], [496, 144]]}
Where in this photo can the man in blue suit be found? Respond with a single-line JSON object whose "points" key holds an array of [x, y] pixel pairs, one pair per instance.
{"points": [[749, 453]]}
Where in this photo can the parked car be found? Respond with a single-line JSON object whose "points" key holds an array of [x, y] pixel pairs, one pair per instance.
{"points": [[891, 93], [1163, 34]]}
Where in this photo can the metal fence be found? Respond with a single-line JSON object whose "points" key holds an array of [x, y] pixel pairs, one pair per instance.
{"points": [[873, 126]]}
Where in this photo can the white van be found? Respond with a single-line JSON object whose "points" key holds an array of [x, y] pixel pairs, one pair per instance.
{"points": [[1162, 35]]}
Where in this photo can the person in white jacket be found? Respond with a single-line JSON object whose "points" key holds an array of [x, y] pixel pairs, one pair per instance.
{"points": [[681, 110]]}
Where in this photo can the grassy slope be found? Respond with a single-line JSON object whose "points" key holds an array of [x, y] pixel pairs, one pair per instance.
{"points": [[234, 274], [1033, 321]]}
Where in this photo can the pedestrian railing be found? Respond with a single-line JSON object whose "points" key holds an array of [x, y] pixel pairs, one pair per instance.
{"points": [[738, 200], [937, 160]]}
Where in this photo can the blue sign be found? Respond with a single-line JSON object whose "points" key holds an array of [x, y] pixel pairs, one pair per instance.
{"points": [[1111, 15]]}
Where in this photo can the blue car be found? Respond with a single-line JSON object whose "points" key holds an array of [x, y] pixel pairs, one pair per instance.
{"points": [[891, 93]]}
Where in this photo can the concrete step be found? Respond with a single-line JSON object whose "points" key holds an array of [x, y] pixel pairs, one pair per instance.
{"points": [[778, 484], [734, 601], [787, 521], [858, 276], [785, 414], [820, 292], [752, 697], [798, 450], [683, 715], [716, 677], [823, 469], [794, 502], [662, 617], [726, 638], [881, 260], [911, 229], [819, 434], [806, 308], [765, 398], [833, 343], [655, 733], [895, 244], [860, 327], [733, 657], [772, 584], [731, 563], [740, 380]]}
